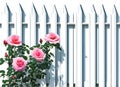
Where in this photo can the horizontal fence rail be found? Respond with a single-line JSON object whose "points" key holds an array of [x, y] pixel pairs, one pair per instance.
{"points": [[90, 42]]}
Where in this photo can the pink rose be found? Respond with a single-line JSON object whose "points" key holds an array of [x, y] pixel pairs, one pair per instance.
{"points": [[14, 40], [52, 38], [38, 54], [19, 64]]}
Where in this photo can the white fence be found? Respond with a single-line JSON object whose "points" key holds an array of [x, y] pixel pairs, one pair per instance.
{"points": [[90, 42]]}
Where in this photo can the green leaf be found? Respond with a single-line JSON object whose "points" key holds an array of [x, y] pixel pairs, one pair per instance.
{"points": [[1, 61], [51, 54], [10, 71], [27, 51], [58, 46], [26, 79], [3, 85], [2, 72], [25, 57], [19, 74], [5, 81], [31, 48]]}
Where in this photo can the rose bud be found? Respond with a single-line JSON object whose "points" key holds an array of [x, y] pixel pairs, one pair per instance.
{"points": [[5, 42], [41, 40], [6, 54], [13, 76]]}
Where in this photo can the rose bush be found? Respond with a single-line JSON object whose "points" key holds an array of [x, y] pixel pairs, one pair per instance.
{"points": [[27, 65]]}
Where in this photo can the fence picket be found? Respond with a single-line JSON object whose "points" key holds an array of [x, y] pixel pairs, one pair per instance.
{"points": [[63, 42], [5, 21], [86, 51], [114, 56], [93, 48], [70, 31], [102, 48], [53, 22], [79, 64], [42, 31], [19, 21], [14, 24], [33, 27], [109, 57], [75, 52], [42, 22]]}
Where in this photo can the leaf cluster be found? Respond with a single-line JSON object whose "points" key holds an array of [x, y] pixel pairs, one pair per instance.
{"points": [[34, 70]]}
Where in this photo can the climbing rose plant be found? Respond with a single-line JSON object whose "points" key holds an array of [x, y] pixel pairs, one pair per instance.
{"points": [[27, 65]]}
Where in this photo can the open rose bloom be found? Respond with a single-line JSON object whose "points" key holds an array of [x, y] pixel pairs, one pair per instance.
{"points": [[14, 40], [38, 54], [52, 38], [19, 64]]}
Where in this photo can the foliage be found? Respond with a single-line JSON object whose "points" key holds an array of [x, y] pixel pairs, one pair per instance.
{"points": [[34, 70]]}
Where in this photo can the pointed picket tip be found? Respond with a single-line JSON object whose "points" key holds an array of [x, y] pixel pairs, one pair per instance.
{"points": [[54, 9], [80, 10], [20, 9], [6, 8], [65, 14], [65, 9], [93, 9], [33, 9], [114, 10], [79, 13], [44, 11], [93, 13], [102, 10]]}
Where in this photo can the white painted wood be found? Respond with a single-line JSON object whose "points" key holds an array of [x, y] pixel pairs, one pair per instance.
{"points": [[27, 28], [71, 55], [5, 21], [114, 56], [75, 52], [87, 54], [19, 21], [42, 32], [109, 56], [42, 20], [92, 49], [63, 42], [102, 49], [119, 58], [79, 63], [53, 29], [15, 22], [12, 24], [33, 26]]}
